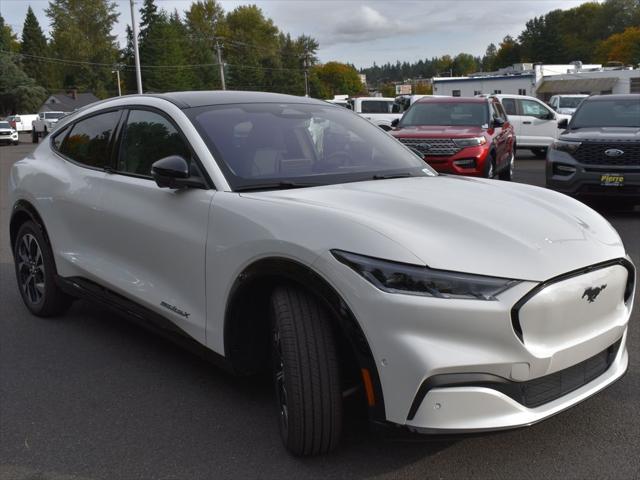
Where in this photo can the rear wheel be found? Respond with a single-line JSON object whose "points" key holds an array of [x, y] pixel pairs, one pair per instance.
{"points": [[305, 373], [35, 273], [539, 152]]}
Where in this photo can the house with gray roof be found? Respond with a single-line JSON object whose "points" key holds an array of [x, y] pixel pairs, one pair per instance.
{"points": [[67, 102]]}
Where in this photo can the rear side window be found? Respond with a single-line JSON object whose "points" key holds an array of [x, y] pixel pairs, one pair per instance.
{"points": [[376, 106], [149, 137], [509, 105], [88, 141]]}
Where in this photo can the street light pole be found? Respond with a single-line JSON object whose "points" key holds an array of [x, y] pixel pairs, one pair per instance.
{"points": [[136, 54]]}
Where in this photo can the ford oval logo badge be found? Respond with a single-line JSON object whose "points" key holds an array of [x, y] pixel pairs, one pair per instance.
{"points": [[613, 152], [424, 146]]}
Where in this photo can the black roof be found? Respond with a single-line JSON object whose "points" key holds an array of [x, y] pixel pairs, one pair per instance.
{"points": [[225, 97], [618, 96]]}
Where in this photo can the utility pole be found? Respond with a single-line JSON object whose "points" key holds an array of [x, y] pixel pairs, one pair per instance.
{"points": [[117, 72], [306, 74], [136, 54], [220, 65]]}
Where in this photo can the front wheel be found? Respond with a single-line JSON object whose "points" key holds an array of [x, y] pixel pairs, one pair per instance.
{"points": [[506, 173], [306, 375], [35, 273], [489, 167], [34, 136]]}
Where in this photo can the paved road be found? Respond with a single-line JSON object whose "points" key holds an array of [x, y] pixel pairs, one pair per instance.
{"points": [[90, 396]]}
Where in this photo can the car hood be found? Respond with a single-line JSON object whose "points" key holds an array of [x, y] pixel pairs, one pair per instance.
{"points": [[599, 134], [472, 225], [433, 131]]}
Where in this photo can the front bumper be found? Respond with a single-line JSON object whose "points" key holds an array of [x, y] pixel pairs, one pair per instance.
{"points": [[587, 180], [416, 339], [469, 161], [9, 138]]}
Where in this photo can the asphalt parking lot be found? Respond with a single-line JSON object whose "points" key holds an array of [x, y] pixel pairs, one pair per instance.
{"points": [[91, 396]]}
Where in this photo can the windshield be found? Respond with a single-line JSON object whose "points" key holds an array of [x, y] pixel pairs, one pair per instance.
{"points": [[607, 113], [5, 125], [53, 115], [267, 143], [570, 102], [446, 113]]}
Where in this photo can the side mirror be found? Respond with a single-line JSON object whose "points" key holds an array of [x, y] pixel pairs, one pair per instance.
{"points": [[173, 172], [563, 124], [395, 122]]}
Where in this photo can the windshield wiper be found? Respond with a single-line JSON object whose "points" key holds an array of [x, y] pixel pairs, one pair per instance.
{"points": [[283, 185], [392, 175]]}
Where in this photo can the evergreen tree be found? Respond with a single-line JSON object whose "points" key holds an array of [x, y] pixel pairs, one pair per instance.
{"points": [[205, 23], [34, 43], [81, 31], [8, 39]]}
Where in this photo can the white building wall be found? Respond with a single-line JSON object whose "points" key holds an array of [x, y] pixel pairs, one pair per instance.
{"points": [[470, 87]]}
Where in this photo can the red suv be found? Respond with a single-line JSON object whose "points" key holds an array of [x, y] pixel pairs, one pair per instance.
{"points": [[465, 136]]}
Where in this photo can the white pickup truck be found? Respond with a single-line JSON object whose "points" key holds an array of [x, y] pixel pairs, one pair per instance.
{"points": [[380, 111], [45, 122]]}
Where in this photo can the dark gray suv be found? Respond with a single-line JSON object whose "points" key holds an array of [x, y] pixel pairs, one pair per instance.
{"points": [[598, 154]]}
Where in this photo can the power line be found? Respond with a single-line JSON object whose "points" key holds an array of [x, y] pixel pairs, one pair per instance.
{"points": [[110, 65]]}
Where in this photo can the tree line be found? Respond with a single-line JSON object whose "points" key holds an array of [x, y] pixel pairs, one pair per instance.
{"points": [[177, 52], [592, 33]]}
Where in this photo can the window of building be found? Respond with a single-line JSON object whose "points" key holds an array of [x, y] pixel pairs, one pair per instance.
{"points": [[88, 140], [522, 91], [635, 85], [455, 93], [496, 92], [149, 137], [477, 92]]}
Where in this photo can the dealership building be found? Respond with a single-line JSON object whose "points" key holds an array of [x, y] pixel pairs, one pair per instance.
{"points": [[542, 81]]}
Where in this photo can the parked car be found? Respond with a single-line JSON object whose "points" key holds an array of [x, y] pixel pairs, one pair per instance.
{"points": [[598, 151], [21, 123], [566, 104], [536, 125], [380, 111], [44, 124], [340, 261], [466, 136], [8, 134]]}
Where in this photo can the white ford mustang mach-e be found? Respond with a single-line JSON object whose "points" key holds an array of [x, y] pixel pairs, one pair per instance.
{"points": [[266, 229]]}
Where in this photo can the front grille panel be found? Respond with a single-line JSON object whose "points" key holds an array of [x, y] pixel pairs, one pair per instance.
{"points": [[539, 391], [437, 147], [592, 153], [5, 133]]}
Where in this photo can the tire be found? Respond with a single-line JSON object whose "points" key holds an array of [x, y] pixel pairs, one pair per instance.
{"points": [[489, 167], [306, 375], [539, 152], [36, 271], [506, 173], [45, 132], [34, 136]]}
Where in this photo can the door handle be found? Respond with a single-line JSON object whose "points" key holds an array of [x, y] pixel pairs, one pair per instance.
{"points": [[526, 123]]}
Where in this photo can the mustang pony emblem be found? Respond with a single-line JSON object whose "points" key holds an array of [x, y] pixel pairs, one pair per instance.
{"points": [[592, 293]]}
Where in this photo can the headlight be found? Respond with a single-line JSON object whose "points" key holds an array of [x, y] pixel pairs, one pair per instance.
{"points": [[565, 146], [470, 142], [393, 277]]}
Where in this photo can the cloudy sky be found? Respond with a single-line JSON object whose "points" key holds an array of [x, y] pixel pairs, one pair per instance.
{"points": [[362, 32]]}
